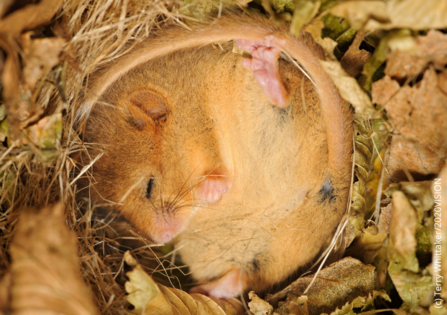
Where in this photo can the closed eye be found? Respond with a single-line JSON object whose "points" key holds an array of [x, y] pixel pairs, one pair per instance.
{"points": [[149, 188]]}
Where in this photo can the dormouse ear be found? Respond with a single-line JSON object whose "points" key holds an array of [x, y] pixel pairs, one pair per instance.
{"points": [[147, 106]]}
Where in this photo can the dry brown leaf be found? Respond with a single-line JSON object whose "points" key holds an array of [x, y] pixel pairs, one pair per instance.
{"points": [[430, 49], [412, 157], [420, 120], [189, 302], [40, 55], [258, 306], [151, 298], [143, 293], [349, 88], [45, 266], [207, 304], [175, 301], [334, 286], [403, 225], [434, 47], [402, 64], [230, 306], [383, 90], [299, 307], [377, 14], [386, 214], [354, 59], [28, 17]]}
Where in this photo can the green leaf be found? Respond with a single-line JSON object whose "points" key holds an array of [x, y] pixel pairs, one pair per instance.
{"points": [[305, 10]]}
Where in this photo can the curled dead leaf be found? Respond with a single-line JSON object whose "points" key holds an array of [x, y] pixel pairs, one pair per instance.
{"points": [[144, 294], [349, 88], [148, 297], [336, 285], [258, 306], [45, 266], [354, 59]]}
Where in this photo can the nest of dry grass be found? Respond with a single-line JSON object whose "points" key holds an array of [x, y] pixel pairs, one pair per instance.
{"points": [[91, 34]]}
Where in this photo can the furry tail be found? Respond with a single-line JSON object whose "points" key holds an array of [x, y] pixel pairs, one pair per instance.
{"points": [[334, 109]]}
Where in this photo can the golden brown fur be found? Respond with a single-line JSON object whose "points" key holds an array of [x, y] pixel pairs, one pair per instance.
{"points": [[286, 172]]}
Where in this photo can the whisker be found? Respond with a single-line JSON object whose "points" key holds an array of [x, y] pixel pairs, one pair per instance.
{"points": [[154, 208]]}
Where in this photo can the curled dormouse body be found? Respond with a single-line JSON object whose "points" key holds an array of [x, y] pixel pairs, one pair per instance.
{"points": [[244, 163]]}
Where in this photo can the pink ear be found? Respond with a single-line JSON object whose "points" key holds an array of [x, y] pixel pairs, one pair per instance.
{"points": [[264, 65], [211, 189]]}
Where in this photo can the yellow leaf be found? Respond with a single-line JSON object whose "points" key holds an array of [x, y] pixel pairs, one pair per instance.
{"points": [[349, 88], [412, 14]]}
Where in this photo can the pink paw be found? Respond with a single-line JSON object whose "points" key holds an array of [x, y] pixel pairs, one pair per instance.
{"points": [[264, 65], [211, 190], [229, 286]]}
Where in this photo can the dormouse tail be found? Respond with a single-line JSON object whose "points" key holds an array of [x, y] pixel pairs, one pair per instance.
{"points": [[334, 109]]}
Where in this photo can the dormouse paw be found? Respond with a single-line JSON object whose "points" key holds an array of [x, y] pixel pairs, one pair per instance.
{"points": [[226, 287], [212, 189], [264, 64]]}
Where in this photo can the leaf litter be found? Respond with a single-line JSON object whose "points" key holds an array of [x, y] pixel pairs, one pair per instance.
{"points": [[397, 87]]}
